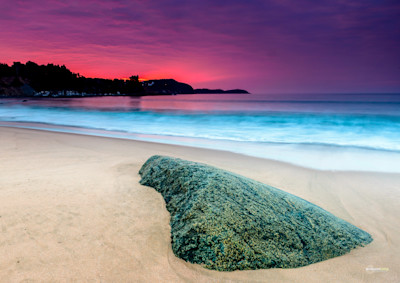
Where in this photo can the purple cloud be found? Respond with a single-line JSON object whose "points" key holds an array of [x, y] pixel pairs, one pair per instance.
{"points": [[273, 46]]}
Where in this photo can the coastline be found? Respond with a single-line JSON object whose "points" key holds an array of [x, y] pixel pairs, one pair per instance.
{"points": [[73, 209]]}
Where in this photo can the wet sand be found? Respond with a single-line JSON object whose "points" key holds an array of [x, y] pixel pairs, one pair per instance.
{"points": [[72, 210]]}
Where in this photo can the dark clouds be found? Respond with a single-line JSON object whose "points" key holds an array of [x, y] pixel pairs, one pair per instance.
{"points": [[276, 45]]}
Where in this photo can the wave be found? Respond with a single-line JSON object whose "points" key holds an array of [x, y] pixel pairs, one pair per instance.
{"points": [[380, 132]]}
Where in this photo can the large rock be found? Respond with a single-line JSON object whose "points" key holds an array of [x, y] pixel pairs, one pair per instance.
{"points": [[224, 221]]}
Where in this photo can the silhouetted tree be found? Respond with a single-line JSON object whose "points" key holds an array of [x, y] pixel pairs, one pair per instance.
{"points": [[52, 77]]}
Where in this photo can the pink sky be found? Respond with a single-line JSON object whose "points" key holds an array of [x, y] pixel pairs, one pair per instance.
{"points": [[275, 46]]}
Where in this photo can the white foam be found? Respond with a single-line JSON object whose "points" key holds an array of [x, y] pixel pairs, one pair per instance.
{"points": [[318, 157]]}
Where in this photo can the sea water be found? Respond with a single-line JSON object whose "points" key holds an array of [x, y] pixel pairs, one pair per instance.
{"points": [[359, 132]]}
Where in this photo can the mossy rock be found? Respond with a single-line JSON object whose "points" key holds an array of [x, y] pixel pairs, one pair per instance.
{"points": [[226, 222]]}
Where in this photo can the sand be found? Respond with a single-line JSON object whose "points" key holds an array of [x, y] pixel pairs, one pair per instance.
{"points": [[72, 210]]}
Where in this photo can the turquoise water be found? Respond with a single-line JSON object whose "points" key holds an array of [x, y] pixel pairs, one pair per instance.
{"points": [[329, 132]]}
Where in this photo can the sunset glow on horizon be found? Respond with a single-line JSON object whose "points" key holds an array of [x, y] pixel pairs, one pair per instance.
{"points": [[262, 46]]}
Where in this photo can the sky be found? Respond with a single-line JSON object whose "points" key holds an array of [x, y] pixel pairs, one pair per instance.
{"points": [[264, 46]]}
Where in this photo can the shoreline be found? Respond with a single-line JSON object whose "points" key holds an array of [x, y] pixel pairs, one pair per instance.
{"points": [[72, 209], [310, 156]]}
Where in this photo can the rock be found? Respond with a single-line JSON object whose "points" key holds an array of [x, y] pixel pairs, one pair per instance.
{"points": [[27, 90], [226, 222]]}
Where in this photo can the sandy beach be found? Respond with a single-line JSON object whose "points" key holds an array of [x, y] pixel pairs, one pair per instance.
{"points": [[72, 210]]}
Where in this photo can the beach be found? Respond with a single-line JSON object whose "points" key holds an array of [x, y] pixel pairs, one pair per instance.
{"points": [[72, 209]]}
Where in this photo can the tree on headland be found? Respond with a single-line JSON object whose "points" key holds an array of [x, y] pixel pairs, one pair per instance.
{"points": [[134, 78], [55, 79]]}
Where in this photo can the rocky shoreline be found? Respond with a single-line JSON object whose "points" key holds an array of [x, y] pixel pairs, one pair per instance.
{"points": [[33, 80]]}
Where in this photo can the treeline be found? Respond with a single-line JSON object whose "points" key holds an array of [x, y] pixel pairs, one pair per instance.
{"points": [[56, 78]]}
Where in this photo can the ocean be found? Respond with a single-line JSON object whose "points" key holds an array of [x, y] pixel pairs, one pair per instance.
{"points": [[356, 132]]}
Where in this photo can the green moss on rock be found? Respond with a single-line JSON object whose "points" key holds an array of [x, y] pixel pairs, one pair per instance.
{"points": [[226, 222]]}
